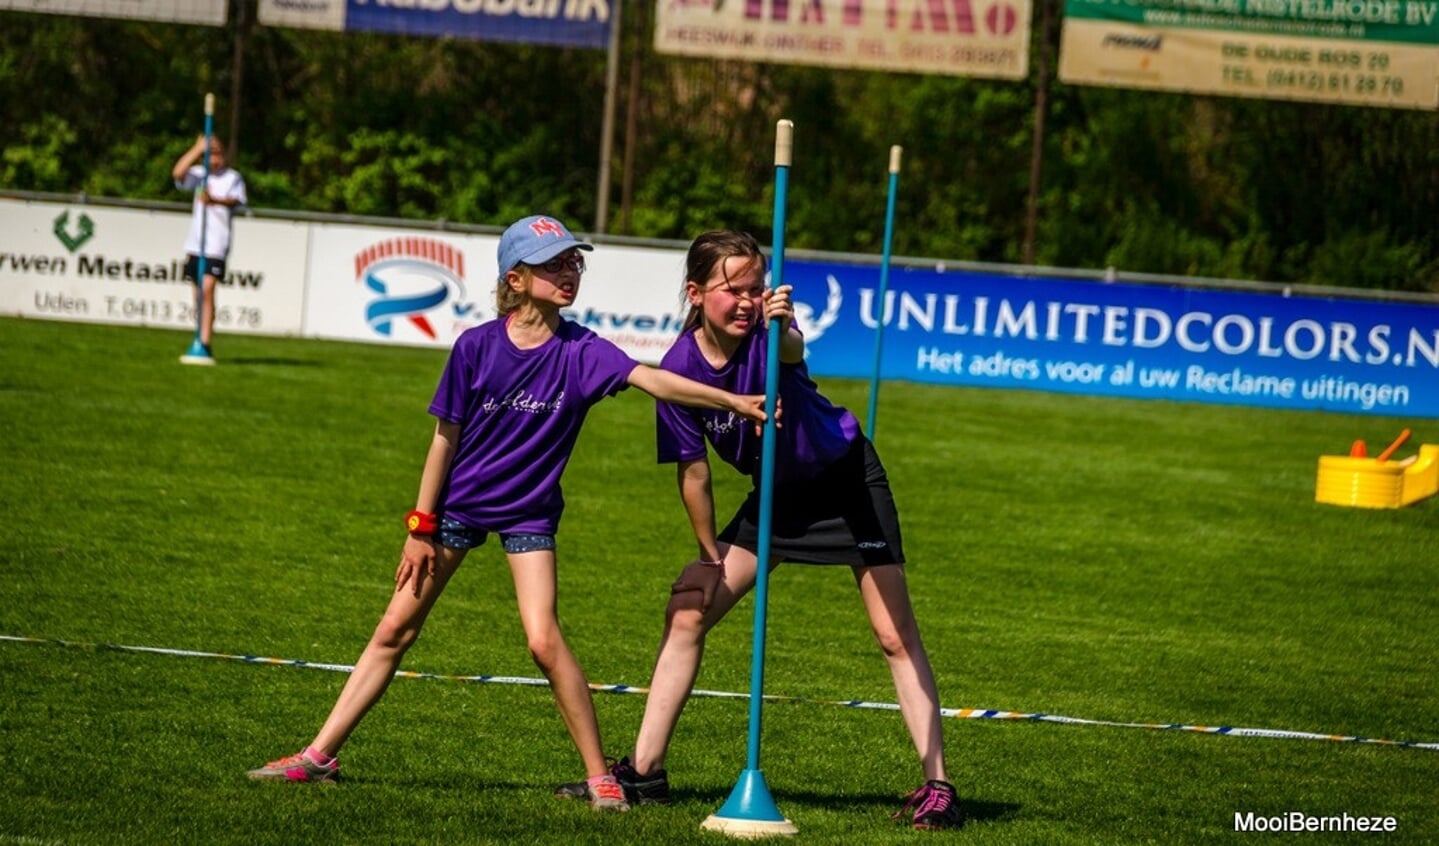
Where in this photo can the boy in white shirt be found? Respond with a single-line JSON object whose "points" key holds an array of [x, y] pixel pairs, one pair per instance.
{"points": [[217, 194]]}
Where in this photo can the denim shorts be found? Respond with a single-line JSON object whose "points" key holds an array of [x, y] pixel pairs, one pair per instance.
{"points": [[456, 535]]}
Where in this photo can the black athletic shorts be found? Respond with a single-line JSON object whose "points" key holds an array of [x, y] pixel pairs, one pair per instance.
{"points": [[845, 515], [213, 267]]}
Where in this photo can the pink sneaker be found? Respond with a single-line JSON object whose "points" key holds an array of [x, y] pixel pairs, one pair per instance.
{"points": [[607, 795], [298, 767], [935, 805]]}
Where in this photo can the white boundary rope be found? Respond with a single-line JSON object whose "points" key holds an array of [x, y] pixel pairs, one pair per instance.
{"points": [[958, 713]]}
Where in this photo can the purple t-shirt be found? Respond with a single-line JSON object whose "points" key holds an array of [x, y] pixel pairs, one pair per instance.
{"points": [[520, 413], [813, 432]]}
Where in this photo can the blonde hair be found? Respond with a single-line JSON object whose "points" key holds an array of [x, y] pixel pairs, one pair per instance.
{"points": [[507, 299], [708, 252]]}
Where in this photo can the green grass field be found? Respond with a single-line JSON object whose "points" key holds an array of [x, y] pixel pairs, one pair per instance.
{"points": [[1112, 560]]}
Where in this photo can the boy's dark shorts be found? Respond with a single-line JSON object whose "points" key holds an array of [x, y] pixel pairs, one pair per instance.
{"points": [[213, 267]]}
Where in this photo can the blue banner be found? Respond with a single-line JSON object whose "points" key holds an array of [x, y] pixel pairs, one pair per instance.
{"points": [[567, 23], [1122, 339]]}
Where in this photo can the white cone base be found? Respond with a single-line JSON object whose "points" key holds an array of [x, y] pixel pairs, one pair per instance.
{"points": [[749, 829], [197, 359]]}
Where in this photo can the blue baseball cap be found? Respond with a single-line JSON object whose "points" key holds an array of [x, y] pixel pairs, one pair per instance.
{"points": [[535, 240]]}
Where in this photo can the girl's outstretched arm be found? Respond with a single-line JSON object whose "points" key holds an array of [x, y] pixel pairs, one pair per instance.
{"points": [[672, 387]]}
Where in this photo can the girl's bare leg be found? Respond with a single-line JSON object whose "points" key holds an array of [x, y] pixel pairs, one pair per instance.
{"points": [[535, 593], [680, 652], [207, 311], [396, 633], [886, 599]]}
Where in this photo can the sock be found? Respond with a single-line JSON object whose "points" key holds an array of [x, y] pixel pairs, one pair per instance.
{"points": [[593, 780], [318, 757]]}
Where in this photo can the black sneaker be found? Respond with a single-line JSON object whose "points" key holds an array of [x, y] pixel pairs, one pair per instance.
{"points": [[935, 806], [651, 789]]}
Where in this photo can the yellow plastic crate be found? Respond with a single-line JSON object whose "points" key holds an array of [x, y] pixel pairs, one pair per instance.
{"points": [[1371, 483]]}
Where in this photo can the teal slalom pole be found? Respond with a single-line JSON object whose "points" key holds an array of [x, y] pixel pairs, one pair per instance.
{"points": [[894, 156], [197, 354], [750, 811]]}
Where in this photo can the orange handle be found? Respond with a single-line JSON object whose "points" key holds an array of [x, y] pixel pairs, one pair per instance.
{"points": [[1398, 442]]}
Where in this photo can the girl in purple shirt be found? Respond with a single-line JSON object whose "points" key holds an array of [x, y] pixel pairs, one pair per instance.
{"points": [[510, 404], [831, 505]]}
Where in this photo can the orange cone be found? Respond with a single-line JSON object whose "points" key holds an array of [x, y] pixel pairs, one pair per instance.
{"points": [[1358, 450]]}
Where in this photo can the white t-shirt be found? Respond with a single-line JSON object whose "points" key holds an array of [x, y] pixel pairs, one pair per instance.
{"points": [[225, 184]]}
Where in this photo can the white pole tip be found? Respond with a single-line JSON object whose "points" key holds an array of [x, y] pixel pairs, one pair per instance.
{"points": [[895, 153], [209, 104], [784, 143]]}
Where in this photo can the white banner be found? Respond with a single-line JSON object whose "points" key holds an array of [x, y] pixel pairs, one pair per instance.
{"points": [[420, 288], [985, 38], [308, 14], [108, 265], [206, 12], [396, 287], [344, 282]]}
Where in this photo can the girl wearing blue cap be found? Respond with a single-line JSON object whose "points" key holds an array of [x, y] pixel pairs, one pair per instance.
{"points": [[509, 407]]}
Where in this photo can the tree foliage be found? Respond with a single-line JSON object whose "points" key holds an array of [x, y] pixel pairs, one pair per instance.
{"points": [[479, 132]]}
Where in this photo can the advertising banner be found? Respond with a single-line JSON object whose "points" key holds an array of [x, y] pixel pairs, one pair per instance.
{"points": [[564, 23], [108, 265], [1129, 340], [986, 38], [387, 286], [1356, 52], [206, 12], [422, 288]]}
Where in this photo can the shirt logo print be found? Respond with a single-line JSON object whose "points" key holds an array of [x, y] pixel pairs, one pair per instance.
{"points": [[721, 426], [523, 401]]}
